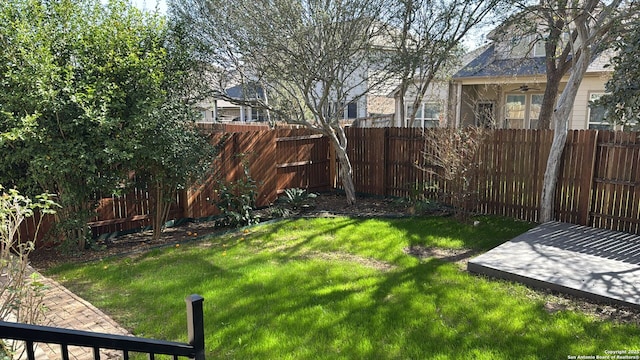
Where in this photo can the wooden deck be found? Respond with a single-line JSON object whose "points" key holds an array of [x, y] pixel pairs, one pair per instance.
{"points": [[599, 264]]}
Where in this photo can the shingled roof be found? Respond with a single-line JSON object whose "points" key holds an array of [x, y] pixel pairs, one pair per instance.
{"points": [[245, 92], [488, 65]]}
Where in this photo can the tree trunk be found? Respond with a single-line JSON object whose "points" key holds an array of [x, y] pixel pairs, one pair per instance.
{"points": [[561, 119], [400, 114], [549, 100], [346, 174], [339, 142], [161, 211], [550, 181]]}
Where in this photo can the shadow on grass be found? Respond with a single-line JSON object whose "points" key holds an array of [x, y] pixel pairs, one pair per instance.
{"points": [[425, 311], [264, 301]]}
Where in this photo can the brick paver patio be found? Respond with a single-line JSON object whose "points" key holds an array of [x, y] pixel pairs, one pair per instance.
{"points": [[67, 310]]}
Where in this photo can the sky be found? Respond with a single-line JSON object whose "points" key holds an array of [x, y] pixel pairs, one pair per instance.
{"points": [[471, 42], [150, 5]]}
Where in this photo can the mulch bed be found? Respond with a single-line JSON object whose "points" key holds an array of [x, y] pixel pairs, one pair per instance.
{"points": [[326, 205]]}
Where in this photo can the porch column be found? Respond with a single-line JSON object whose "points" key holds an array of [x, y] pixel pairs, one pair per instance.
{"points": [[458, 103]]}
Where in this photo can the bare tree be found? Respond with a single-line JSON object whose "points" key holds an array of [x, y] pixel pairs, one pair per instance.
{"points": [[589, 22], [451, 156], [312, 57], [550, 25], [427, 40]]}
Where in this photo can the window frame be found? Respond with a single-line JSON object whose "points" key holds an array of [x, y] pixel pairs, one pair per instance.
{"points": [[603, 124], [527, 110], [421, 118], [507, 118]]}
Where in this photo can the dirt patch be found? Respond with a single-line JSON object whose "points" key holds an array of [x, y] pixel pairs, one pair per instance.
{"points": [[556, 302], [458, 256], [367, 262]]}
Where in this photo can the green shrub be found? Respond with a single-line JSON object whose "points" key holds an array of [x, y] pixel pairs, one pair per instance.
{"points": [[237, 200], [296, 198]]}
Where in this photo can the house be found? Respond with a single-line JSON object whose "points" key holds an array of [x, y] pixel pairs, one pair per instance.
{"points": [[433, 109], [367, 103], [437, 107], [237, 103], [364, 101], [503, 87]]}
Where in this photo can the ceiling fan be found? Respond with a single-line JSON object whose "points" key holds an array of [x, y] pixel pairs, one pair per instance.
{"points": [[524, 88]]}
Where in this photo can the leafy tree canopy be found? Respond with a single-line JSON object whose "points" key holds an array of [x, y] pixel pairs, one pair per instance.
{"points": [[623, 89], [85, 89]]}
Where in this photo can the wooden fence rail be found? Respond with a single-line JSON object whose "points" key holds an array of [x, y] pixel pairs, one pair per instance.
{"points": [[599, 182]]}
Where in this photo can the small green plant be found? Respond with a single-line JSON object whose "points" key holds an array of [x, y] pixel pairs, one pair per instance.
{"points": [[237, 200], [296, 198], [420, 200], [292, 203]]}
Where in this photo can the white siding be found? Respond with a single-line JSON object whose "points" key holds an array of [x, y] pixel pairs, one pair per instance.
{"points": [[590, 84], [438, 91]]}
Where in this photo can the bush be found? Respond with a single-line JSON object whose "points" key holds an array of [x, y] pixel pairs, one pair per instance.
{"points": [[237, 200], [21, 292], [450, 155], [296, 198]]}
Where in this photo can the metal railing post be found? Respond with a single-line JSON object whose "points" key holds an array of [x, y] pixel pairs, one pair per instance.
{"points": [[195, 324]]}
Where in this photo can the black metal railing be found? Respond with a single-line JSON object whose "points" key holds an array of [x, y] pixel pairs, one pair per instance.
{"points": [[32, 334]]}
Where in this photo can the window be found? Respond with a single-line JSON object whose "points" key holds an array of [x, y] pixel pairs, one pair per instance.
{"points": [[538, 48], [534, 110], [534, 45], [515, 111], [338, 109], [597, 114], [352, 110], [522, 111], [257, 114], [427, 115]]}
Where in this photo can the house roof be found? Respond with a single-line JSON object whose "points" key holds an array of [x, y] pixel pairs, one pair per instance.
{"points": [[488, 65], [245, 92]]}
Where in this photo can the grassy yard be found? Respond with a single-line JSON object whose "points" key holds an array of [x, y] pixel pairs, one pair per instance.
{"points": [[342, 288]]}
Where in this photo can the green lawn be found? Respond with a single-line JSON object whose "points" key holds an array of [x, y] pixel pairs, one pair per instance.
{"points": [[342, 288]]}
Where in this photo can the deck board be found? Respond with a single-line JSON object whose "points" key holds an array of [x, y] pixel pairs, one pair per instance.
{"points": [[599, 264]]}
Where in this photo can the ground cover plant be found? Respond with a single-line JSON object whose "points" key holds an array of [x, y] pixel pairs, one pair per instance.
{"points": [[342, 288]]}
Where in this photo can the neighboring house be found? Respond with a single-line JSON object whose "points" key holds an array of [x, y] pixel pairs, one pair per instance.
{"points": [[366, 104], [437, 107], [503, 87], [432, 111], [237, 103]]}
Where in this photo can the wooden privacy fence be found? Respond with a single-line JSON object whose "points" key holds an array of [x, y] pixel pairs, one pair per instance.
{"points": [[275, 159], [598, 185], [599, 181]]}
